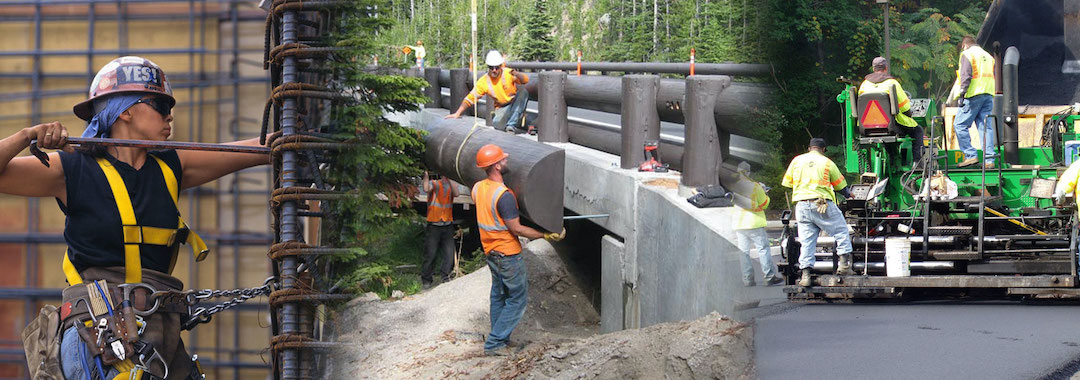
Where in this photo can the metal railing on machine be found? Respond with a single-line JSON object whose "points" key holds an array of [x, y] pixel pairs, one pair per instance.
{"points": [[300, 142]]}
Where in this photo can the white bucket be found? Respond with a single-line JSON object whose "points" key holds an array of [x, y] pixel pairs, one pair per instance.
{"points": [[897, 257]]}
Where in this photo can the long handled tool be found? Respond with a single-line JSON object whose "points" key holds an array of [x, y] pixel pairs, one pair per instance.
{"points": [[150, 144]]}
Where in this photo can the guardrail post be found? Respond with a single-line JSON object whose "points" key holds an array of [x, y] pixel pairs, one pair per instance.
{"points": [[702, 149], [459, 87], [552, 125], [432, 91], [640, 121]]}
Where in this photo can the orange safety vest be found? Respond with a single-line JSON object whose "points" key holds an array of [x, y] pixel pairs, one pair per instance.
{"points": [[440, 206], [494, 235]]}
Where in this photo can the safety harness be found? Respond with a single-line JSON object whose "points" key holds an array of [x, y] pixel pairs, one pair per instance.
{"points": [[115, 338]]}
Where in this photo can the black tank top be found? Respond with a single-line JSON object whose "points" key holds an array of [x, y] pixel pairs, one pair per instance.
{"points": [[93, 228]]}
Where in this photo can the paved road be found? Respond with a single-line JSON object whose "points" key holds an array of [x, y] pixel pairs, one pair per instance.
{"points": [[930, 340]]}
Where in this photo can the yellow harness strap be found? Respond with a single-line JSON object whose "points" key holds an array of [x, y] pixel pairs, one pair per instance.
{"points": [[134, 234], [198, 246]]}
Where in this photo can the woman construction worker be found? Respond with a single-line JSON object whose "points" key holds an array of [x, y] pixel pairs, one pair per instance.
{"points": [[123, 227]]}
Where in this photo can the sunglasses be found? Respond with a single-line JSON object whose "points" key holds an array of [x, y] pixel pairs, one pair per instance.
{"points": [[494, 68], [159, 104]]}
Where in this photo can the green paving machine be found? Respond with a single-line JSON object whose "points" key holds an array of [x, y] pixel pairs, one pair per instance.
{"points": [[933, 229]]}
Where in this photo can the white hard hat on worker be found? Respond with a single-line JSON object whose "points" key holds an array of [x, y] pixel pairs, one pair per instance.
{"points": [[494, 58]]}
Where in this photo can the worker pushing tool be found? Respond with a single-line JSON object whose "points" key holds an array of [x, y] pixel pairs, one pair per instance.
{"points": [[500, 227], [813, 178], [503, 84], [123, 230]]}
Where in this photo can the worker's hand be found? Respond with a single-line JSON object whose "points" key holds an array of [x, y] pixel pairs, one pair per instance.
{"points": [[49, 136], [1059, 197], [960, 102], [454, 115], [553, 237]]}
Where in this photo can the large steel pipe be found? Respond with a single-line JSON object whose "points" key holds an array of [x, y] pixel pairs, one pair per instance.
{"points": [[733, 69], [552, 123], [701, 161], [536, 170], [606, 139], [1010, 108], [640, 122]]}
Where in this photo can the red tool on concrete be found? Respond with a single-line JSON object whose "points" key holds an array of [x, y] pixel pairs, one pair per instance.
{"points": [[652, 159]]}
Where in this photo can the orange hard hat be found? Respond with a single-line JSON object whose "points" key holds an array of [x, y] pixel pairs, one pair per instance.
{"points": [[125, 75], [489, 154]]}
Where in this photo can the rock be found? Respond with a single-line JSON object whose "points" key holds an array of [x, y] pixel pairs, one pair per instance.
{"points": [[397, 294]]}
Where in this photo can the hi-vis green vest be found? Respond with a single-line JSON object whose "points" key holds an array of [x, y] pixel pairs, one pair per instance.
{"points": [[901, 98], [754, 217], [982, 71]]}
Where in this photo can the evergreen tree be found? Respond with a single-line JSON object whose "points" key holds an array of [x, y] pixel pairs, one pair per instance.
{"points": [[538, 44]]}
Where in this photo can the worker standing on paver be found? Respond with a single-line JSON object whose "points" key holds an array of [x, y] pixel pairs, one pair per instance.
{"points": [[974, 93], [880, 81], [813, 178], [500, 227], [440, 229], [421, 53], [123, 226], [750, 230], [1066, 183], [502, 83]]}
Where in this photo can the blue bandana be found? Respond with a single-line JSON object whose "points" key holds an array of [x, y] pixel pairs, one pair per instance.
{"points": [[101, 124]]}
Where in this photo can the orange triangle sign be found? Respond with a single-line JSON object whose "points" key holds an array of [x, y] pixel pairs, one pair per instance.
{"points": [[874, 116]]}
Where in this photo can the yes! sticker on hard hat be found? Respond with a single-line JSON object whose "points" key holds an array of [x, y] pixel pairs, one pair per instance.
{"points": [[137, 74], [874, 116]]}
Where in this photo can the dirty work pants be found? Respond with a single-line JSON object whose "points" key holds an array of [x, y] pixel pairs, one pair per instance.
{"points": [[438, 242], [976, 109], [511, 115], [811, 223], [755, 240], [916, 134], [509, 288]]}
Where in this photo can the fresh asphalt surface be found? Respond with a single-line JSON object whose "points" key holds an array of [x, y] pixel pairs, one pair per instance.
{"points": [[918, 340]]}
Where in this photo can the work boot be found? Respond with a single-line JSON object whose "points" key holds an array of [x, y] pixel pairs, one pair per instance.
{"points": [[805, 280], [845, 266], [774, 280], [968, 162]]}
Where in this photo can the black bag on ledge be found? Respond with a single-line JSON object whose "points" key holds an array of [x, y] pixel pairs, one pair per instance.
{"points": [[711, 196]]}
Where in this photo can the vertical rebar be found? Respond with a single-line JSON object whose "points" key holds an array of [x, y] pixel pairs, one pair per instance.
{"points": [[32, 202], [553, 125], [701, 152], [290, 365], [640, 122], [234, 71]]}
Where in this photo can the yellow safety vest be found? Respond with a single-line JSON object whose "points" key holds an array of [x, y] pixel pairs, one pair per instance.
{"points": [[1068, 180], [982, 71], [136, 235], [901, 98], [503, 89], [753, 217], [811, 175]]}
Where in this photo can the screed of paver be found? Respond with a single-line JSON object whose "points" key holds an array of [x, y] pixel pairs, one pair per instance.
{"points": [[917, 340]]}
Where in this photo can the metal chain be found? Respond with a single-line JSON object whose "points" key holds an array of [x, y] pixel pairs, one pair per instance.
{"points": [[239, 296]]}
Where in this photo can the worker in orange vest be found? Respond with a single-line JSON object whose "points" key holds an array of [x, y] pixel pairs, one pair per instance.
{"points": [[497, 217], [440, 229], [507, 87]]}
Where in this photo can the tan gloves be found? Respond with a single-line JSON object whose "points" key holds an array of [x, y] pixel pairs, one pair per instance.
{"points": [[822, 206], [553, 237]]}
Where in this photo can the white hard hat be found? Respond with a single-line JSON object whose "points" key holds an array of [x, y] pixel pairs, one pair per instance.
{"points": [[494, 58]]}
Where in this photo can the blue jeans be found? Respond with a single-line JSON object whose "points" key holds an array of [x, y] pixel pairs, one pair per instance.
{"points": [[509, 288], [511, 115], [755, 239], [976, 109], [75, 357], [811, 223]]}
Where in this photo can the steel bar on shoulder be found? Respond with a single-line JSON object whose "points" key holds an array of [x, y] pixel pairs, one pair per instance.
{"points": [[151, 144]]}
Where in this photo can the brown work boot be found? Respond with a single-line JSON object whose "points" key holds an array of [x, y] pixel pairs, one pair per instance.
{"points": [[805, 280], [844, 267], [968, 162]]}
